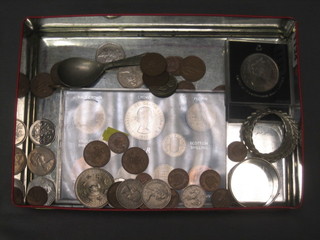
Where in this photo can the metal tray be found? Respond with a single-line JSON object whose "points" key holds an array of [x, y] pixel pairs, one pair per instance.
{"points": [[217, 40]]}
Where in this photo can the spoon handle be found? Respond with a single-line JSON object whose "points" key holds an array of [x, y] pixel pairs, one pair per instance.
{"points": [[131, 61]]}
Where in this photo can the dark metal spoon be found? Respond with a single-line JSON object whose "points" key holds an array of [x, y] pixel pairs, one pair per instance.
{"points": [[79, 72]]}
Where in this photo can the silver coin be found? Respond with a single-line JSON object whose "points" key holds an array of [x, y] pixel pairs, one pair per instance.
{"points": [[46, 184], [193, 196], [174, 145], [20, 161], [162, 172], [144, 120], [201, 117], [21, 132], [91, 187], [41, 161], [129, 194], [42, 132], [259, 72], [109, 52], [156, 194], [130, 77]]}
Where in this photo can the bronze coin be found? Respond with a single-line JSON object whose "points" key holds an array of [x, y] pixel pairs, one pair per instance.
{"points": [[173, 65], [42, 85], [220, 88], [96, 154], [178, 179], [156, 81], [54, 75], [17, 196], [175, 199], [210, 180], [192, 68], [135, 160], [143, 177], [165, 90], [237, 151], [221, 198], [186, 85], [111, 195], [37, 196], [23, 85], [118, 142], [153, 64]]}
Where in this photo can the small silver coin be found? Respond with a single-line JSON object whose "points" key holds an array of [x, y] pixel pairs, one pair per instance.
{"points": [[42, 132], [201, 117], [129, 194], [156, 194], [20, 161], [109, 52], [21, 132], [46, 184], [174, 145], [259, 72], [41, 161], [91, 187], [193, 196], [130, 77]]}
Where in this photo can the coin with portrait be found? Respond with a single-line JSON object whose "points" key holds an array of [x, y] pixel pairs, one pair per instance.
{"points": [[156, 194], [41, 161]]}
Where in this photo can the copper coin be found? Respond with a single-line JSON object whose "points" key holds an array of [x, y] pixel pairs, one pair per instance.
{"points": [[54, 74], [96, 154], [153, 64], [143, 177], [186, 85], [220, 88], [18, 196], [210, 180], [158, 80], [193, 68], [175, 199], [23, 85], [135, 160], [42, 85], [237, 151], [173, 65], [37, 196], [118, 142], [20, 161], [111, 195], [221, 198], [178, 179], [165, 90]]}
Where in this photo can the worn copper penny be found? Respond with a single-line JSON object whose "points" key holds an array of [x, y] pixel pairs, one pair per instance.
{"points": [[23, 85], [153, 64], [192, 68], [135, 160], [143, 177], [96, 154], [237, 151], [20, 161], [118, 142], [18, 196], [111, 195], [173, 65], [210, 180], [37, 196], [221, 198], [186, 85], [166, 90], [158, 80], [42, 85], [175, 199], [178, 179]]}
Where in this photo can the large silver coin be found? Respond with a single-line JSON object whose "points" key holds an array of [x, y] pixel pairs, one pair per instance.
{"points": [[41, 161], [42, 132], [129, 194], [109, 52], [47, 185], [21, 132], [193, 196], [156, 194], [174, 145], [259, 72], [201, 117], [144, 120], [91, 187], [130, 77]]}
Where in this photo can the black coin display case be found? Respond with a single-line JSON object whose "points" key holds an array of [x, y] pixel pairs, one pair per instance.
{"points": [[238, 107]]}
